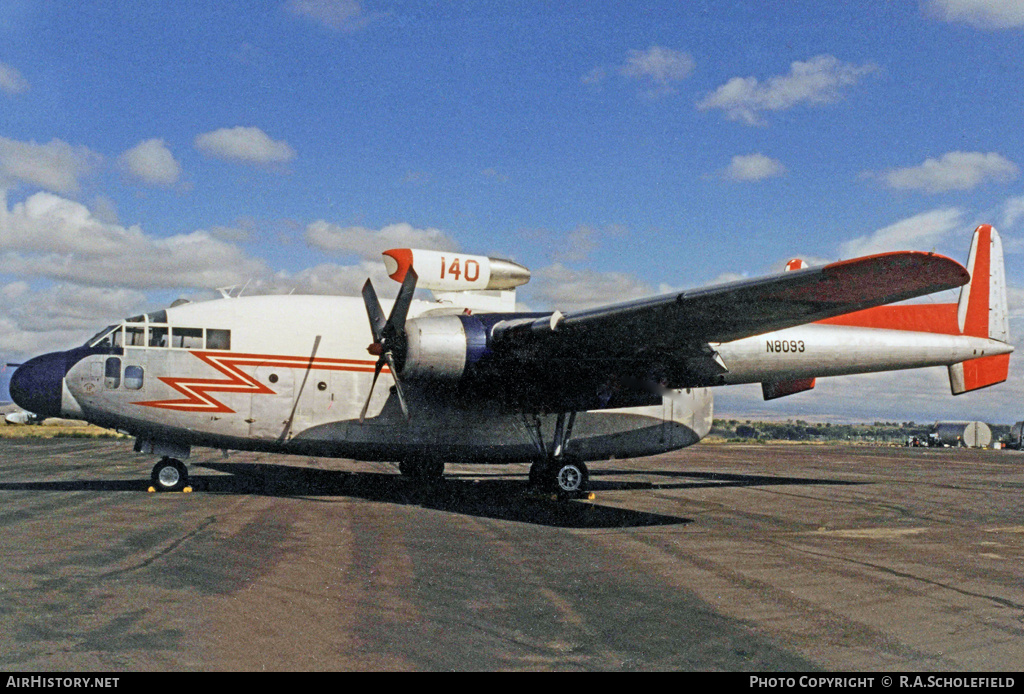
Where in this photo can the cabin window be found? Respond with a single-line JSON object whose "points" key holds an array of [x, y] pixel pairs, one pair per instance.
{"points": [[133, 377], [134, 336], [112, 373], [158, 336], [187, 338], [218, 339]]}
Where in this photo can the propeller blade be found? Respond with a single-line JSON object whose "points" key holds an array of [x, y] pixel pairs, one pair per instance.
{"points": [[398, 385], [376, 373], [388, 335], [396, 321], [374, 311]]}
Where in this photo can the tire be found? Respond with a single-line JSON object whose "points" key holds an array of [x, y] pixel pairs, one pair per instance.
{"points": [[169, 475], [570, 477]]}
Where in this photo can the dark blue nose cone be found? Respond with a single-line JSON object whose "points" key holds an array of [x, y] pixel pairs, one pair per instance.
{"points": [[37, 385]]}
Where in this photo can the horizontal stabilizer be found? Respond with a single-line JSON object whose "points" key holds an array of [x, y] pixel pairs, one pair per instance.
{"points": [[780, 389]]}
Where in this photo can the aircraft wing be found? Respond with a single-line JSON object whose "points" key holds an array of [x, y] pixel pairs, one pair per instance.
{"points": [[632, 339]]}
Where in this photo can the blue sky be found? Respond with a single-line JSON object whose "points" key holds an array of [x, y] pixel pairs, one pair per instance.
{"points": [[156, 150]]}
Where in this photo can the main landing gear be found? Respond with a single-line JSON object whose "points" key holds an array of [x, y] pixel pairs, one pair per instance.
{"points": [[557, 470], [170, 475], [422, 469]]}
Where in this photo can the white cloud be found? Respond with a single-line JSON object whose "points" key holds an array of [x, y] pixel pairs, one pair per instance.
{"points": [[369, 244], [55, 166], [151, 162], [659, 68], [1013, 211], [987, 14], [11, 80], [58, 317], [340, 15], [244, 146], [918, 233], [328, 279], [50, 236], [559, 287], [952, 171], [817, 81], [753, 167]]}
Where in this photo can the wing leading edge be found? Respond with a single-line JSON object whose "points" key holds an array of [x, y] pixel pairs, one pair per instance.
{"points": [[660, 337]]}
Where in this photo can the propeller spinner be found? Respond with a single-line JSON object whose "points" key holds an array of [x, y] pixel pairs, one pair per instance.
{"points": [[389, 341]]}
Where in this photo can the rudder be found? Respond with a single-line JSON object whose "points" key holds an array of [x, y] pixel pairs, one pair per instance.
{"points": [[982, 312]]}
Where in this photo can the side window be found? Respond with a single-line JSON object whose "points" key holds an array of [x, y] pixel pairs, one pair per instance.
{"points": [[158, 336], [189, 338], [133, 377], [112, 373], [218, 339]]}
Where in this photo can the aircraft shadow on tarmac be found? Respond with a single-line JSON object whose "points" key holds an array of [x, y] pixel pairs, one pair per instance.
{"points": [[503, 498]]}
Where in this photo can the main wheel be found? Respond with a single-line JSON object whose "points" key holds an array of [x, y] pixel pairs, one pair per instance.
{"points": [[170, 475], [427, 469], [570, 477]]}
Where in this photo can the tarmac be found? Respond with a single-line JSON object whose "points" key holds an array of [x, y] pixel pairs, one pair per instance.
{"points": [[719, 557]]}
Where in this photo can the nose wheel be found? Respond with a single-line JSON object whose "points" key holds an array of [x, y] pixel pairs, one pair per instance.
{"points": [[169, 475]]}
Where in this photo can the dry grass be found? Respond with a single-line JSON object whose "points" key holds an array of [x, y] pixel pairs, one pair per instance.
{"points": [[55, 429]]}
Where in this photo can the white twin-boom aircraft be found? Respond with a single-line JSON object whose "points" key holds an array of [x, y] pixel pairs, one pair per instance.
{"points": [[474, 381]]}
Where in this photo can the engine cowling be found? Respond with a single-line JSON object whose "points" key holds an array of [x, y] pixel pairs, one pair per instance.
{"points": [[443, 347]]}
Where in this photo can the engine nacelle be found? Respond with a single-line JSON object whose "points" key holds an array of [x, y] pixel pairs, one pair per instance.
{"points": [[454, 272], [443, 347]]}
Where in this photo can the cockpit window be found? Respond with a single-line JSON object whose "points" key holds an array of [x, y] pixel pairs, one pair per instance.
{"points": [[158, 336], [104, 338], [134, 336]]}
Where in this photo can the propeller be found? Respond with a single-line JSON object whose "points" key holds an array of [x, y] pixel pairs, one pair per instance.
{"points": [[389, 340]]}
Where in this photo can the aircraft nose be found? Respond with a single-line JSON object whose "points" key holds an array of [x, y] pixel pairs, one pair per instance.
{"points": [[37, 385]]}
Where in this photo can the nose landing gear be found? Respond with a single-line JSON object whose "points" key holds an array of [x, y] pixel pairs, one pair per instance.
{"points": [[170, 475]]}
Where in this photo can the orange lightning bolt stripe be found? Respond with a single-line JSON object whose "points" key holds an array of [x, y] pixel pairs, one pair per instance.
{"points": [[197, 391]]}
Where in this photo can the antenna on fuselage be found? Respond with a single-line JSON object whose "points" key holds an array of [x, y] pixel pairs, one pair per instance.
{"points": [[226, 292]]}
